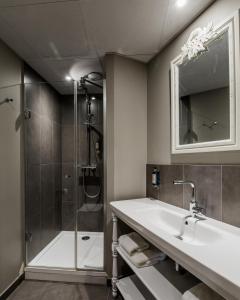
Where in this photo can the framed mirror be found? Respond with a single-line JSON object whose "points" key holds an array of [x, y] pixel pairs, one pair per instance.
{"points": [[205, 90]]}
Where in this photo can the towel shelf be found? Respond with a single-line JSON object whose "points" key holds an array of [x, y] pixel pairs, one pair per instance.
{"points": [[132, 288], [153, 279], [161, 279]]}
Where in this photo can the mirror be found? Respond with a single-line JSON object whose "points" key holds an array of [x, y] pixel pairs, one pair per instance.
{"points": [[204, 107], [203, 92]]}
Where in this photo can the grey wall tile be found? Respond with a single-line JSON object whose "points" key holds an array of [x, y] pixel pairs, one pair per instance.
{"points": [[231, 195], [47, 103], [34, 245], [90, 221], [32, 97], [151, 192], [47, 187], [57, 196], [46, 141], [67, 144], [48, 231], [43, 149], [208, 188], [82, 145], [168, 192], [67, 175], [68, 215], [33, 139], [33, 190], [56, 106], [56, 143], [67, 110], [48, 204]]}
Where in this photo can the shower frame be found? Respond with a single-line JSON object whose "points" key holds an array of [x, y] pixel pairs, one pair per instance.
{"points": [[74, 274]]}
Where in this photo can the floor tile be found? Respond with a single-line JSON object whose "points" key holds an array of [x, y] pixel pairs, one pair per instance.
{"points": [[41, 290]]}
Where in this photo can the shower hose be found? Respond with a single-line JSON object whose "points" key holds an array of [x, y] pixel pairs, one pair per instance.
{"points": [[85, 190]]}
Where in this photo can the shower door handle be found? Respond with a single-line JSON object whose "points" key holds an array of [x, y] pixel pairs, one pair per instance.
{"points": [[28, 237], [27, 114]]}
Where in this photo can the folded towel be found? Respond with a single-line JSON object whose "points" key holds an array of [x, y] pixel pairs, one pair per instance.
{"points": [[147, 258], [132, 243], [201, 292]]}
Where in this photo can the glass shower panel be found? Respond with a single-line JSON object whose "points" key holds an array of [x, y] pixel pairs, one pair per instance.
{"points": [[64, 174], [50, 210], [90, 180]]}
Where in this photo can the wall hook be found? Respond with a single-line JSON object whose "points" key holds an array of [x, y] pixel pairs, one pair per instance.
{"points": [[7, 100]]}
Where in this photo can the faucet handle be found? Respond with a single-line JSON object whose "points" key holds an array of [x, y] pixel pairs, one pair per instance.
{"points": [[198, 209]]}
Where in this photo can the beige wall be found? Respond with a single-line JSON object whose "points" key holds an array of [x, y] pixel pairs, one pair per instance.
{"points": [[130, 128], [11, 169], [159, 151], [125, 132]]}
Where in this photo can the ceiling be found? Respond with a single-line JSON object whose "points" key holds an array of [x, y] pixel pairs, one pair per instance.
{"points": [[61, 37]]}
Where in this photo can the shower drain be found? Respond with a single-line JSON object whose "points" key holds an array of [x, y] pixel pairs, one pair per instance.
{"points": [[85, 238]]}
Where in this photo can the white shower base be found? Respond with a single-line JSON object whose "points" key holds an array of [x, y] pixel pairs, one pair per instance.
{"points": [[60, 251]]}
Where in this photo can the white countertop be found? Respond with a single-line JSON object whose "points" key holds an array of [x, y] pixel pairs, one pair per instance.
{"points": [[222, 257]]}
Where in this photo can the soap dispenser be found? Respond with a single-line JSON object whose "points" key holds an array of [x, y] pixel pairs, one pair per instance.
{"points": [[155, 178]]}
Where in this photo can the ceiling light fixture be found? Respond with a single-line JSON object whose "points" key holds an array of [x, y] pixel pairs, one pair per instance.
{"points": [[181, 3], [68, 78]]}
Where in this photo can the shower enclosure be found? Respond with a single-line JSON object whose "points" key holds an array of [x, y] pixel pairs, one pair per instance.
{"points": [[64, 173]]}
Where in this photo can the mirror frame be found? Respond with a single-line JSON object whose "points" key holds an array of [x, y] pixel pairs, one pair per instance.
{"points": [[231, 24]]}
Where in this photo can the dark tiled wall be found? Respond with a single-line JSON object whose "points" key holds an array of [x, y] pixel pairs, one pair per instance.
{"points": [[88, 220], [218, 188], [68, 204], [43, 163]]}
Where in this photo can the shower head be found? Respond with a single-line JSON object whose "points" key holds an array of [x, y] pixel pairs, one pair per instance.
{"points": [[94, 76]]}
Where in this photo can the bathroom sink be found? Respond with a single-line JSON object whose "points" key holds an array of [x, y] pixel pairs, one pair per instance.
{"points": [[198, 232], [175, 222], [187, 229], [166, 220], [208, 247]]}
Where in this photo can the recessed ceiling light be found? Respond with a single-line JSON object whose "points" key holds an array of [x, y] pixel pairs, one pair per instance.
{"points": [[181, 3], [68, 78]]}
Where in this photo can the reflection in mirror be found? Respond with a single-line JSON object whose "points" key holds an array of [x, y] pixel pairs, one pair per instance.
{"points": [[204, 104]]}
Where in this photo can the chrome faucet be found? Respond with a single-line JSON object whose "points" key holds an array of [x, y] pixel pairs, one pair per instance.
{"points": [[194, 207]]}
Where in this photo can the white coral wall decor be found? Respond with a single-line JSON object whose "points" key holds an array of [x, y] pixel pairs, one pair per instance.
{"points": [[197, 42]]}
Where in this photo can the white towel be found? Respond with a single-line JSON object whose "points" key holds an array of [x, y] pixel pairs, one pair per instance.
{"points": [[147, 258], [132, 242], [201, 292]]}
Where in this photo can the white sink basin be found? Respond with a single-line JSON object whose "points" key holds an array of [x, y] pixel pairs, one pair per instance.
{"points": [[166, 220], [199, 233], [187, 229]]}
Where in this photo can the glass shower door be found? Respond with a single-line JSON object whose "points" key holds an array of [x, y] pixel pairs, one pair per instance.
{"points": [[64, 175], [49, 159], [89, 202]]}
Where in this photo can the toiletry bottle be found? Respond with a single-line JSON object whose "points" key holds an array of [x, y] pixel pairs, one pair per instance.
{"points": [[155, 178]]}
